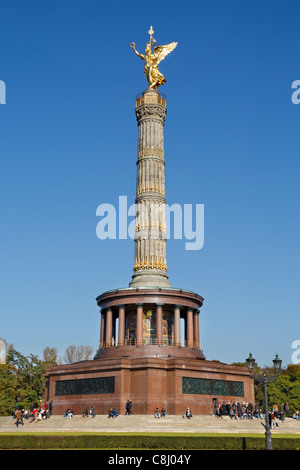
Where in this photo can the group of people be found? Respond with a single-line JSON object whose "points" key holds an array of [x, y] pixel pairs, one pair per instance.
{"points": [[280, 411], [35, 412], [188, 413], [69, 413], [160, 414], [235, 410], [91, 412], [112, 413], [246, 410]]}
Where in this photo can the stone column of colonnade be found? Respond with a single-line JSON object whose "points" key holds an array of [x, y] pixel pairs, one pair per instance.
{"points": [[150, 263], [191, 334]]}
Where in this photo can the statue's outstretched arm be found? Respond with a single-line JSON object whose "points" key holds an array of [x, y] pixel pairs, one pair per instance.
{"points": [[132, 45]]}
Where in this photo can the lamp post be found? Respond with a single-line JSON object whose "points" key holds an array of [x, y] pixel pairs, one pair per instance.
{"points": [[265, 379]]}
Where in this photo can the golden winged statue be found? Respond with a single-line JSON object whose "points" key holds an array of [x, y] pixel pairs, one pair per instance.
{"points": [[153, 58]]}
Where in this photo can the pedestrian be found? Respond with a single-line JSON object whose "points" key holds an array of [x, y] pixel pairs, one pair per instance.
{"points": [[92, 412], [272, 420], [220, 411], [128, 407], [281, 407], [19, 417], [287, 410], [216, 407]]}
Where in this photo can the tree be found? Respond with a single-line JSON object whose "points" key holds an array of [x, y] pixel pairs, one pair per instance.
{"points": [[50, 356], [77, 353], [8, 384], [21, 380], [285, 389], [21, 377]]}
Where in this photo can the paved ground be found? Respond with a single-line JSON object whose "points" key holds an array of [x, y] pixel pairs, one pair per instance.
{"points": [[142, 423]]}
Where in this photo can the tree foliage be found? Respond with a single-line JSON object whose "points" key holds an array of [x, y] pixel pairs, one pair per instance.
{"points": [[77, 353], [21, 377], [21, 380], [285, 389]]}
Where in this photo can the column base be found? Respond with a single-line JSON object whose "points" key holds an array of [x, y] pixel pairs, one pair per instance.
{"points": [[153, 278]]}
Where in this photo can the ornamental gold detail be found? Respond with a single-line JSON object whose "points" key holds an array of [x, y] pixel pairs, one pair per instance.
{"points": [[150, 262], [160, 227], [154, 55], [148, 188], [150, 152]]}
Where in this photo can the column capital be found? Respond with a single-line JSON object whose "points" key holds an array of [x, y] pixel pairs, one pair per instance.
{"points": [[151, 111]]}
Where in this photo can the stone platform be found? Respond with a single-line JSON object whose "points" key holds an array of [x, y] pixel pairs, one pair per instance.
{"points": [[148, 424]]}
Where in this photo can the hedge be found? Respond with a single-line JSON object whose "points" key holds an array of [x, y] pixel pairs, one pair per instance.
{"points": [[32, 441]]}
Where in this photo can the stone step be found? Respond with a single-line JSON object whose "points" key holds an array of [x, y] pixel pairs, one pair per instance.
{"points": [[147, 423]]}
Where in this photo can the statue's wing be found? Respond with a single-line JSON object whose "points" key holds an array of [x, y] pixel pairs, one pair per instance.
{"points": [[162, 51]]}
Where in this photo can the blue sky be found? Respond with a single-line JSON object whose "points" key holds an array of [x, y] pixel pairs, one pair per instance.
{"points": [[68, 139]]}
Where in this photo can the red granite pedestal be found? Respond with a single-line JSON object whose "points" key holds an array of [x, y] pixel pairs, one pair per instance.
{"points": [[155, 364]]}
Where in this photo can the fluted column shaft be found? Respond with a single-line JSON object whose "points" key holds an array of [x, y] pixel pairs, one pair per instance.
{"points": [[150, 232], [121, 335], [177, 339], [196, 330], [190, 328], [108, 332], [102, 330], [139, 325], [159, 338]]}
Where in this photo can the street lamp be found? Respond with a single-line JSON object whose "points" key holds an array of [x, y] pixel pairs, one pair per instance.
{"points": [[265, 379], [277, 364], [250, 362]]}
